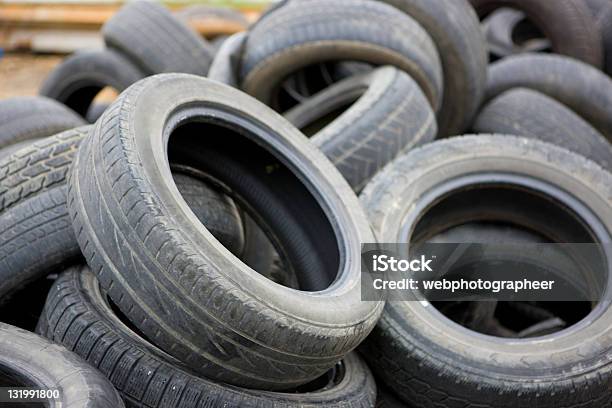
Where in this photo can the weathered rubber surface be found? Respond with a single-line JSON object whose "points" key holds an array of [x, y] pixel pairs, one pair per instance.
{"points": [[432, 363], [36, 236], [50, 366], [499, 27], [523, 112], [301, 34], [390, 115], [568, 24], [95, 111], [224, 67], [78, 315], [77, 80], [604, 21], [215, 210], [196, 300], [10, 149], [33, 117], [582, 88], [156, 41], [454, 27]]}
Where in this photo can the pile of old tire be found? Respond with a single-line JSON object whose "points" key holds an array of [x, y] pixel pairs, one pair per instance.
{"points": [[199, 244], [142, 39]]}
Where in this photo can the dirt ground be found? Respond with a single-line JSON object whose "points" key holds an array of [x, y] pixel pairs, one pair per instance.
{"points": [[22, 74]]}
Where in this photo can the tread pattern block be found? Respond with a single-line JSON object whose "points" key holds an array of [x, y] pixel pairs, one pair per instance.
{"points": [[373, 134], [296, 352], [33, 117], [36, 235], [157, 41], [76, 316]]}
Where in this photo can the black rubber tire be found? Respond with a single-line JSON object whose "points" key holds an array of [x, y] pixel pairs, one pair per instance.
{"points": [[156, 41], [95, 111], [499, 27], [568, 24], [431, 362], [29, 360], [300, 34], [604, 21], [454, 27], [582, 88], [33, 117], [523, 112], [77, 80], [390, 115], [79, 316], [36, 235], [224, 67], [284, 337]]}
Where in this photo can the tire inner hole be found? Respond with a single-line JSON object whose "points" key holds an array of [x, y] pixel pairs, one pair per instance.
{"points": [[265, 196], [504, 214]]}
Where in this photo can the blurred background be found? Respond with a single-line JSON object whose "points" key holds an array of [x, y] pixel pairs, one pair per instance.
{"points": [[35, 35]]}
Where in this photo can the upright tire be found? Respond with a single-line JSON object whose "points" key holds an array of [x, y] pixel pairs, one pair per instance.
{"points": [[79, 316], [28, 360], [33, 117], [528, 113], [198, 301], [301, 34], [582, 88], [431, 361], [390, 115], [77, 80], [568, 24], [156, 41], [454, 27]]}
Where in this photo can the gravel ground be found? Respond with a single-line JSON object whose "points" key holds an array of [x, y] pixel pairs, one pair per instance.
{"points": [[22, 74]]}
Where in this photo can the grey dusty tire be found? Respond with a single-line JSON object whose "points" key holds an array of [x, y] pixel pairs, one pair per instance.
{"points": [[156, 41], [499, 28], [390, 115], [95, 111], [454, 27], [568, 24], [33, 117], [134, 228], [77, 80], [582, 88], [79, 316], [224, 67], [528, 113], [36, 235], [301, 34], [415, 348], [604, 21], [28, 360]]}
